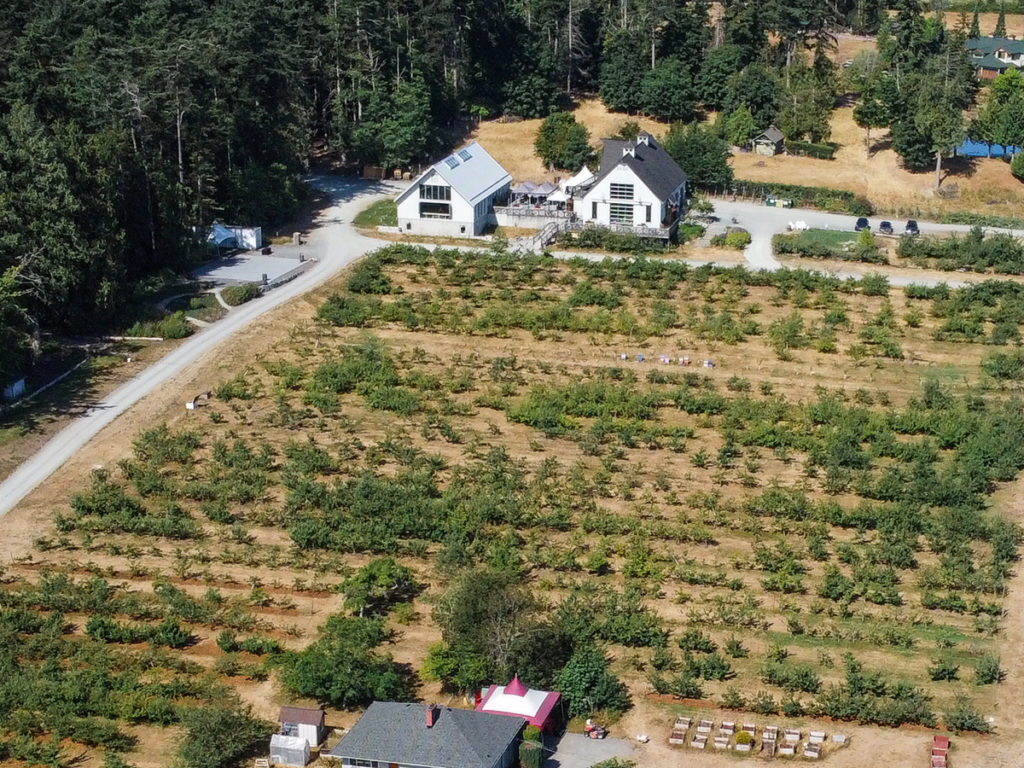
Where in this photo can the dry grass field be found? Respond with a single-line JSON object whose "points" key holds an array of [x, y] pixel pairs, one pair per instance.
{"points": [[984, 184], [668, 495], [987, 22]]}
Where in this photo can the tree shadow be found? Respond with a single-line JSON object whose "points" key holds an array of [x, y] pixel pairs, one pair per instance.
{"points": [[879, 146], [847, 99], [329, 187], [73, 396], [960, 166]]}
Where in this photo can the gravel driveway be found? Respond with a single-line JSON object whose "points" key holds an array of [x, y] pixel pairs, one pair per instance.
{"points": [[574, 750]]}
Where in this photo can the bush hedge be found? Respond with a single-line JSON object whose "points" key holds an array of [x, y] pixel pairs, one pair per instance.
{"points": [[980, 219], [998, 253], [814, 245], [605, 239], [825, 198], [735, 238], [820, 151], [239, 294], [172, 326]]}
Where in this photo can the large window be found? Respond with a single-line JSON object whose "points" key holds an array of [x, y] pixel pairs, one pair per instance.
{"points": [[435, 192], [435, 210], [621, 191], [620, 214]]}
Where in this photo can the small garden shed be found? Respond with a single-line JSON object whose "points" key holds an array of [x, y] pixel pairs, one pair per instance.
{"points": [[303, 723], [769, 142]]}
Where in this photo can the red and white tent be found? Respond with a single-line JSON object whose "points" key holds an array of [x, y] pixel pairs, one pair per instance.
{"points": [[515, 699]]}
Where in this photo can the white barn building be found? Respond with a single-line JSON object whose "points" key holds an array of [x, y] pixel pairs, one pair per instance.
{"points": [[639, 189], [454, 197]]}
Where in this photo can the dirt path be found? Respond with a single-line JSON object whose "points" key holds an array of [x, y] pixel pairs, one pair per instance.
{"points": [[335, 244]]}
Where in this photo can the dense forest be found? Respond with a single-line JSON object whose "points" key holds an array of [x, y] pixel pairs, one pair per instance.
{"points": [[125, 124]]}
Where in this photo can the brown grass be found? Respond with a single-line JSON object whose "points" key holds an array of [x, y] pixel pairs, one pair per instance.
{"points": [[511, 144], [983, 183], [987, 22]]}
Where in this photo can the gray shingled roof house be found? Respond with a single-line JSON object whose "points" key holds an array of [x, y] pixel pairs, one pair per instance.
{"points": [[415, 736]]}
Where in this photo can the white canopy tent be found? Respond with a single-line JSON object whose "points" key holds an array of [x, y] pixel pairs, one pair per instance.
{"points": [[581, 178]]}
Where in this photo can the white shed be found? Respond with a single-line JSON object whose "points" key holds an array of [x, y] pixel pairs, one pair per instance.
{"points": [[289, 750], [454, 197], [304, 723]]}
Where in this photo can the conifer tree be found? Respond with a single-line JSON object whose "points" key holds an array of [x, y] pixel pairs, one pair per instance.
{"points": [[1000, 30]]}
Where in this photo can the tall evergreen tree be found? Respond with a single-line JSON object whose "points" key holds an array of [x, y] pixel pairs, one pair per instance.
{"points": [[701, 152], [623, 68], [1000, 30]]}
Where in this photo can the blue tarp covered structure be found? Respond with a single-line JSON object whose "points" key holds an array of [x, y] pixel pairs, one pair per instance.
{"points": [[972, 148]]}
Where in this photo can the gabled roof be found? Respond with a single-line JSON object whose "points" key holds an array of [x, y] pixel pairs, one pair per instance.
{"points": [[393, 732], [517, 700], [772, 134], [301, 715], [470, 172], [647, 159]]}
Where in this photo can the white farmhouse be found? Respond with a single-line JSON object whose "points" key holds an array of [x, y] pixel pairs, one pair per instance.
{"points": [[454, 197], [639, 189]]}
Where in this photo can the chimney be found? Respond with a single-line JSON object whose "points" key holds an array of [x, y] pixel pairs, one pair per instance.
{"points": [[432, 712]]}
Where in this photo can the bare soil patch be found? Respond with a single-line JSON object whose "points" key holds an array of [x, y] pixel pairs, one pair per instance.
{"points": [[638, 490]]}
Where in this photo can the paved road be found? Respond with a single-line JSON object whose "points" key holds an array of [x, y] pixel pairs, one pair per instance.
{"points": [[762, 222], [333, 242]]}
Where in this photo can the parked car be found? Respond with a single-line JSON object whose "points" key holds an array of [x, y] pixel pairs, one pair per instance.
{"points": [[861, 224], [912, 228], [885, 227]]}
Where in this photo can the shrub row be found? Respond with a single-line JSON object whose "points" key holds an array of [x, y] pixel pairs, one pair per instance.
{"points": [[981, 219], [820, 151], [838, 200], [1000, 253], [239, 294], [811, 245], [606, 239]]}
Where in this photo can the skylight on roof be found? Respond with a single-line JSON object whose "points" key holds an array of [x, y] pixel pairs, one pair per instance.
{"points": [[464, 154], [452, 162]]}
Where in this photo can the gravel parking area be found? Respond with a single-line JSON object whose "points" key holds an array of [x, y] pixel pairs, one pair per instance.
{"points": [[574, 750]]}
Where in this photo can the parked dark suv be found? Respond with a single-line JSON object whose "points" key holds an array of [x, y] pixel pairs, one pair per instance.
{"points": [[912, 228], [861, 224], [885, 227]]}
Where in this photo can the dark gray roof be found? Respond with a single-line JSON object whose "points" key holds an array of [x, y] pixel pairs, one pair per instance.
{"points": [[649, 161], [772, 134], [393, 732]]}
